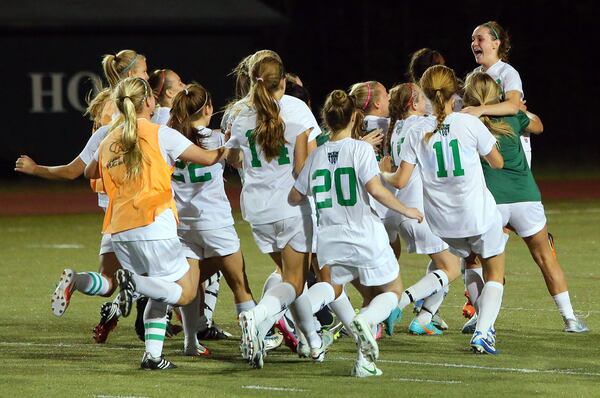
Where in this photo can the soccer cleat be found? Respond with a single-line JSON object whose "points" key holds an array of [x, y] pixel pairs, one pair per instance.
{"points": [[198, 351], [287, 329], [160, 363], [140, 306], [318, 354], [468, 309], [367, 342], [390, 322], [336, 330], [365, 368], [551, 243], [109, 316], [438, 322], [379, 333], [492, 335], [575, 325], [303, 349], [213, 333], [429, 329], [62, 294], [252, 346], [273, 339], [482, 345], [126, 290], [469, 326]]}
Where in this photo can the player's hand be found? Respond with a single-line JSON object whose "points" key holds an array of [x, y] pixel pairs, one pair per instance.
{"points": [[522, 106], [476, 111], [25, 164], [375, 138], [415, 214], [385, 164]]}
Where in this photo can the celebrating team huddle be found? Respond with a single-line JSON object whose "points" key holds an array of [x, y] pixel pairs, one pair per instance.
{"points": [[440, 163]]}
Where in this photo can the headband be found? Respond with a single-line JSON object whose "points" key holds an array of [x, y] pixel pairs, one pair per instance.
{"points": [[368, 96], [163, 74], [133, 61], [491, 28], [204, 104]]}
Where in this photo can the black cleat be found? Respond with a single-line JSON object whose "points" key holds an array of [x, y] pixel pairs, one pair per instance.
{"points": [[109, 317], [140, 306], [127, 288], [160, 363]]}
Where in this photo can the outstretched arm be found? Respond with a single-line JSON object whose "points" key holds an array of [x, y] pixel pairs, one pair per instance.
{"points": [[71, 171]]}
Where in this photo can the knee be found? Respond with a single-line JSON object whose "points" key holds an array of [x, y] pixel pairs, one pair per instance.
{"points": [[187, 296]]}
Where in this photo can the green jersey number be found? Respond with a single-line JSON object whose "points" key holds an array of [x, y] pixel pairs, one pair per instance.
{"points": [[439, 154], [192, 170], [255, 161], [325, 186]]}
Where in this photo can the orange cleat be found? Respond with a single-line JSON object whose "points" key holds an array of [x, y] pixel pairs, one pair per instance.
{"points": [[468, 309]]}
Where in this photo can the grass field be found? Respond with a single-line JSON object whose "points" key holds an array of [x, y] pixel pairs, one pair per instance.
{"points": [[47, 356]]}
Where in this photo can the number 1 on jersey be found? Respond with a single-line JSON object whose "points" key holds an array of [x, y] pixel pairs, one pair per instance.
{"points": [[255, 161], [441, 164]]}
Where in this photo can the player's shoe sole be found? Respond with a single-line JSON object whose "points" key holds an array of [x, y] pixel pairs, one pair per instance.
{"points": [[62, 294], [368, 344]]}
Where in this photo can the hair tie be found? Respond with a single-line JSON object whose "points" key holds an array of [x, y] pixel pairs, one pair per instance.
{"points": [[130, 64], [162, 82], [368, 96], [185, 90], [260, 79]]}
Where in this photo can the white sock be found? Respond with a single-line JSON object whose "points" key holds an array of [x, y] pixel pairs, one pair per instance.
{"points": [[245, 306], [343, 310], [157, 289], [91, 283], [274, 302], [320, 295], [563, 302], [427, 285], [474, 284], [380, 308], [155, 325], [273, 279], [489, 306], [211, 295], [430, 307], [404, 301], [190, 317], [303, 316]]}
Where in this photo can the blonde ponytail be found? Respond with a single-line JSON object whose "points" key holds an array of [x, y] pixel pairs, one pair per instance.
{"points": [[439, 84]]}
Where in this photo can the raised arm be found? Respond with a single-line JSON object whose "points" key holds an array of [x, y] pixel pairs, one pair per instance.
{"points": [[71, 171], [535, 124], [508, 107], [387, 198]]}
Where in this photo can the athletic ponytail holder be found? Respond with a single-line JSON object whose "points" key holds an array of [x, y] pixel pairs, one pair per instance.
{"points": [[185, 90], [260, 79], [369, 93]]}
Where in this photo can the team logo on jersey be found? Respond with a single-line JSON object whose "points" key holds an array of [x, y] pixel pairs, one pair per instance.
{"points": [[444, 129], [116, 147], [333, 157]]}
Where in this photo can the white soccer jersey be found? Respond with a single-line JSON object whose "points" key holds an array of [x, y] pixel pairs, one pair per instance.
{"points": [[87, 155], [349, 232], [267, 184], [457, 201], [161, 115], [412, 194], [509, 79], [200, 190]]}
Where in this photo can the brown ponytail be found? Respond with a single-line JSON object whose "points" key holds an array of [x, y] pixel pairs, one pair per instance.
{"points": [[402, 97], [337, 111], [439, 84], [266, 75], [188, 106]]}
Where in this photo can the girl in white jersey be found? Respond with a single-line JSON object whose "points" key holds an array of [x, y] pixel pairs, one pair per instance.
{"points": [[126, 63], [166, 84], [490, 45], [407, 111], [351, 239], [206, 226], [135, 162], [459, 207], [272, 133]]}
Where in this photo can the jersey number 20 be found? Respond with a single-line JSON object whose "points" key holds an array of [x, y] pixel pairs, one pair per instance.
{"points": [[326, 187]]}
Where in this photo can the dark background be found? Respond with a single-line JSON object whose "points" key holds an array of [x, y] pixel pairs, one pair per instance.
{"points": [[330, 44]]}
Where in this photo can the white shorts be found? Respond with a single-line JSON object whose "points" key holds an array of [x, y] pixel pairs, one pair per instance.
{"points": [[488, 244], [419, 238], [106, 245], [294, 231], [378, 276], [209, 243], [162, 259], [392, 228], [527, 218]]}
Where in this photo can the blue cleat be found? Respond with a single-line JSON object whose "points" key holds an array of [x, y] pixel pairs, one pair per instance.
{"points": [[429, 329], [483, 345], [390, 322]]}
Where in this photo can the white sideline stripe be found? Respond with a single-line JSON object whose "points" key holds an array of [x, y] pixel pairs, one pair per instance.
{"points": [[57, 345], [574, 211], [274, 388], [118, 396], [490, 368], [429, 381], [536, 309], [58, 246]]}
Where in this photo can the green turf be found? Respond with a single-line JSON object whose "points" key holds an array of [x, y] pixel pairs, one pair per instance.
{"points": [[46, 356]]}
